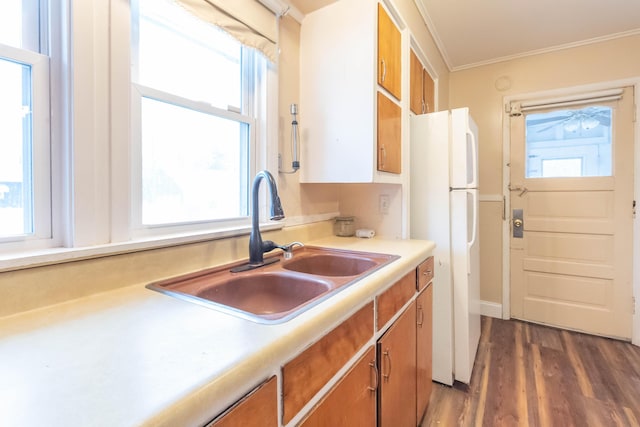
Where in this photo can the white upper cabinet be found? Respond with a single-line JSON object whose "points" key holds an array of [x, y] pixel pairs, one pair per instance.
{"points": [[342, 79]]}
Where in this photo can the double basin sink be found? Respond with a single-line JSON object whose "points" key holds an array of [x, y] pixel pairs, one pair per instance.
{"points": [[279, 291]]}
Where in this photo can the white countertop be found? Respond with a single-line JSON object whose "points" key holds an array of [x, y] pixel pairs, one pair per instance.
{"points": [[133, 356]]}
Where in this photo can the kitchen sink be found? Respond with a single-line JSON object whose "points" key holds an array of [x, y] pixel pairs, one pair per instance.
{"points": [[265, 294], [278, 291], [330, 265]]}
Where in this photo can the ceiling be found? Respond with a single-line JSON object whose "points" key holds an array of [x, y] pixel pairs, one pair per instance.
{"points": [[473, 32], [476, 32]]}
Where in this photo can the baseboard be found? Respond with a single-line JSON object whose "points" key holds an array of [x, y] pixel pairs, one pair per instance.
{"points": [[491, 309]]}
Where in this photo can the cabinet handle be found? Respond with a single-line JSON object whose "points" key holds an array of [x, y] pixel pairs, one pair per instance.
{"points": [[424, 109], [386, 356], [427, 273], [374, 366], [383, 151], [421, 316], [384, 70]]}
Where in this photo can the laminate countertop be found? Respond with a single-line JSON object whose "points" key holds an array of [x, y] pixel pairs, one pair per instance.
{"points": [[133, 356]]}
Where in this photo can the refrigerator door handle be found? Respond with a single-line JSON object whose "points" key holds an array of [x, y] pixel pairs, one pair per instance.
{"points": [[474, 154], [474, 229]]}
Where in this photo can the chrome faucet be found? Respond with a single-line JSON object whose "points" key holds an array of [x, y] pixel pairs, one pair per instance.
{"points": [[288, 249], [257, 247]]}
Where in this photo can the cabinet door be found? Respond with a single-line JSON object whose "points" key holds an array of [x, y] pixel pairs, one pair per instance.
{"points": [[352, 402], [397, 365], [389, 135], [424, 334], [308, 372], [259, 408], [415, 83], [428, 92], [389, 48]]}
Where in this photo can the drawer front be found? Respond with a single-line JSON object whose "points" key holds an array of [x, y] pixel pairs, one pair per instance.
{"points": [[258, 409], [394, 298], [425, 273], [308, 372]]}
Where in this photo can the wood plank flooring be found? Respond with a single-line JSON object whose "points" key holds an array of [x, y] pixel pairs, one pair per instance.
{"points": [[532, 375]]}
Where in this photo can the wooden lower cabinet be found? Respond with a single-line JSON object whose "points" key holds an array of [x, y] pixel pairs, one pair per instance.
{"points": [[307, 373], [352, 401], [259, 408], [397, 366], [424, 354]]}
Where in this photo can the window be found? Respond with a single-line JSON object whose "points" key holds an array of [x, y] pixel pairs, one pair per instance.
{"points": [[194, 116], [25, 195], [569, 143]]}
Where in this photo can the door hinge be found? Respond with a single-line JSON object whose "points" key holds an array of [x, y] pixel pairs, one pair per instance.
{"points": [[633, 305], [633, 209]]}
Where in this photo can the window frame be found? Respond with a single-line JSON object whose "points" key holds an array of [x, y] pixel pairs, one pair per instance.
{"points": [[42, 235], [90, 137], [126, 224]]}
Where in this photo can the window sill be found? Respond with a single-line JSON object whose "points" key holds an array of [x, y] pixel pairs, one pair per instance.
{"points": [[22, 260]]}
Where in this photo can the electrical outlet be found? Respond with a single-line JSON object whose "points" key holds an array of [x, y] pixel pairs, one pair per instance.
{"points": [[383, 205]]}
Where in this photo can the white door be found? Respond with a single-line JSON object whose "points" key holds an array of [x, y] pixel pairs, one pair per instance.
{"points": [[572, 216]]}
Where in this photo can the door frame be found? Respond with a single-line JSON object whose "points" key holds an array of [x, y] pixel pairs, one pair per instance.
{"points": [[506, 194]]}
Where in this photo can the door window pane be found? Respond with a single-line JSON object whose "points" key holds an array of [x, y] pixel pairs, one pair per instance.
{"points": [[569, 143], [16, 188]]}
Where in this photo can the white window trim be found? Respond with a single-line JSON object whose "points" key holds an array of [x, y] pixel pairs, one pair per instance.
{"points": [[41, 167], [91, 146]]}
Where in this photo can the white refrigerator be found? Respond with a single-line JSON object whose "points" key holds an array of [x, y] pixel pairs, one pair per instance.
{"points": [[444, 209]]}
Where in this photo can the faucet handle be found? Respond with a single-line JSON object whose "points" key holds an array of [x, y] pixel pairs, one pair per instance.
{"points": [[288, 249], [269, 245]]}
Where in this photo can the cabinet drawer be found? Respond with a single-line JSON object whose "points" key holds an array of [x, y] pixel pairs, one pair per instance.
{"points": [[305, 375], [352, 402], [392, 300], [425, 273], [259, 408]]}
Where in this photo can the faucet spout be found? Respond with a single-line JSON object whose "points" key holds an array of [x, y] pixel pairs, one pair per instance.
{"points": [[256, 247]]}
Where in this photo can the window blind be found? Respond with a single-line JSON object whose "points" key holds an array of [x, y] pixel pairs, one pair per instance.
{"points": [[250, 22], [516, 108]]}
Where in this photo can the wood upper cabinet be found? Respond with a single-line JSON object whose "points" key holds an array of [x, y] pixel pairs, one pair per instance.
{"points": [[389, 135], [424, 347], [397, 366], [389, 54], [428, 92], [352, 401], [258, 409], [422, 87], [415, 83]]}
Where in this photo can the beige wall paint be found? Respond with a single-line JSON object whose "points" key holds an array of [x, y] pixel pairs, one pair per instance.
{"points": [[479, 89]]}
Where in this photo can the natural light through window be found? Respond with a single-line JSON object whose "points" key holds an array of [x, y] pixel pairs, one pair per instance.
{"points": [[194, 87], [569, 143], [192, 164], [19, 40]]}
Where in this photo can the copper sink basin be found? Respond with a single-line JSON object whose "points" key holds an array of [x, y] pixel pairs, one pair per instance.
{"points": [[330, 265], [276, 292], [265, 293]]}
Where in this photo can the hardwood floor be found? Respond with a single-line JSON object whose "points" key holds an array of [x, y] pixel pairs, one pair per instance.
{"points": [[532, 375]]}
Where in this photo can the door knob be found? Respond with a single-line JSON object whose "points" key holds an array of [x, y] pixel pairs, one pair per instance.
{"points": [[518, 223]]}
